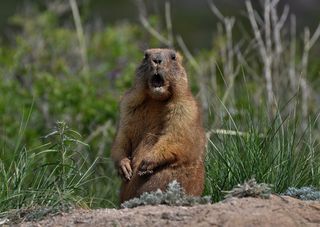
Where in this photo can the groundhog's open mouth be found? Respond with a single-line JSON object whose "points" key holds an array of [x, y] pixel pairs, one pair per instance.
{"points": [[157, 80]]}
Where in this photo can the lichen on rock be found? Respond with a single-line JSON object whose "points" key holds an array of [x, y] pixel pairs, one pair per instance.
{"points": [[304, 193], [173, 196]]}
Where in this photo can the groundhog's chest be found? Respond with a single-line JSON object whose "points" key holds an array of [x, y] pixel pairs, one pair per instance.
{"points": [[145, 123]]}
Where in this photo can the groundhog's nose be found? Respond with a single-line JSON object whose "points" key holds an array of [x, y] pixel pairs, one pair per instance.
{"points": [[157, 59]]}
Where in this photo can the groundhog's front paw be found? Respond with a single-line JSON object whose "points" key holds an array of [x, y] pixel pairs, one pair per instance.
{"points": [[146, 167], [125, 169]]}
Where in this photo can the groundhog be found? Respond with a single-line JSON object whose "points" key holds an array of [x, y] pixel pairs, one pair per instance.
{"points": [[160, 137]]}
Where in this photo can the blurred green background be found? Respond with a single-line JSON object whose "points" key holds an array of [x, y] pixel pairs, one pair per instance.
{"points": [[192, 19]]}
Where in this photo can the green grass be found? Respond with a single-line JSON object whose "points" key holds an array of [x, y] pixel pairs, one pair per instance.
{"points": [[47, 178], [279, 156]]}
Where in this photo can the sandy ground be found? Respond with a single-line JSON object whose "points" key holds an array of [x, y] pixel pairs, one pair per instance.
{"points": [[277, 211]]}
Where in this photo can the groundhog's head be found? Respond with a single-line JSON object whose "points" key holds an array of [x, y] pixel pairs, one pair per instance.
{"points": [[162, 74]]}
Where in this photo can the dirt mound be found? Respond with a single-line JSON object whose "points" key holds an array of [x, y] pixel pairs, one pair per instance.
{"points": [[277, 211]]}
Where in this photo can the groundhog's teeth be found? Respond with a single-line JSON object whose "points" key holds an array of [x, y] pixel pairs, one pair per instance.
{"points": [[158, 89]]}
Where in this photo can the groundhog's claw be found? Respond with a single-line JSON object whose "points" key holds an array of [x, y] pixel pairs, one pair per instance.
{"points": [[147, 172], [146, 167], [125, 168]]}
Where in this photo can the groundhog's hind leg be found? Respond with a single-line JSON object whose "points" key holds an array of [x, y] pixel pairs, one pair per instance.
{"points": [[132, 188], [191, 179]]}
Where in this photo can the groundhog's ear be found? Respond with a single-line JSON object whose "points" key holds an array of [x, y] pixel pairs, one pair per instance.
{"points": [[179, 57]]}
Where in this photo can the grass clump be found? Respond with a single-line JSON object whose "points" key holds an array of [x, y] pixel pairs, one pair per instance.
{"points": [[280, 156], [304, 193], [250, 188], [173, 196], [32, 185]]}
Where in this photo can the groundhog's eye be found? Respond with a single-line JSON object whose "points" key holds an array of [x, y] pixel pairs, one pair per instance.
{"points": [[173, 56], [146, 56]]}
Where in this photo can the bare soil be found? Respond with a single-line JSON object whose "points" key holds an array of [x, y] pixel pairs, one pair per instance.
{"points": [[276, 211]]}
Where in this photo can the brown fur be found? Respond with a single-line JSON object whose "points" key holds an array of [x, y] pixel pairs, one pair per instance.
{"points": [[160, 136]]}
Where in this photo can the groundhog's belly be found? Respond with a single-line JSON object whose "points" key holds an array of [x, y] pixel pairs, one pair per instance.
{"points": [[191, 178]]}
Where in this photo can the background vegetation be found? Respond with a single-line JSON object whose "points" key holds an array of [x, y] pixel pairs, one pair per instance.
{"points": [[258, 84]]}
